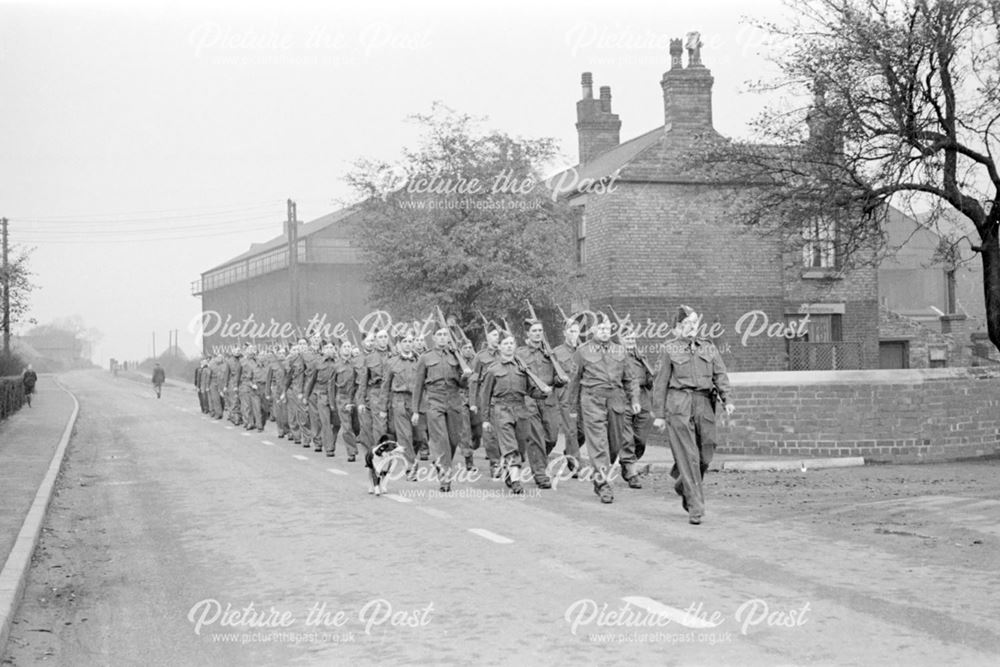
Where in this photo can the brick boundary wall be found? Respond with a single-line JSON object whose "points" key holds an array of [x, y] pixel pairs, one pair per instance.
{"points": [[899, 416]]}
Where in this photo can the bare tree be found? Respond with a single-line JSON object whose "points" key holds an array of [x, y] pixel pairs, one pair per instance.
{"points": [[904, 110]]}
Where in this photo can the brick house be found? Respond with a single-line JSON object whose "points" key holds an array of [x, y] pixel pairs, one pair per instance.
{"points": [[650, 236]]}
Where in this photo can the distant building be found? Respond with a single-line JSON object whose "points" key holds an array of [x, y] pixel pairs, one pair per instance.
{"points": [[656, 237], [258, 284]]}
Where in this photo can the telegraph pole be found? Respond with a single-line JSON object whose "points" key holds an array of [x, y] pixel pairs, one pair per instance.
{"points": [[6, 294], [293, 261]]}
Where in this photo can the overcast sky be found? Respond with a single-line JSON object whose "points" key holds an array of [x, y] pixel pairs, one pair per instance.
{"points": [[142, 146]]}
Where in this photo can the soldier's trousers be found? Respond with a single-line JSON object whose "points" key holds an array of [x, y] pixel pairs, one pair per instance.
{"points": [[465, 440], [637, 429], [246, 406], [491, 445], [329, 423], [510, 424], [444, 429], [314, 421], [298, 418], [603, 415], [203, 400], [691, 430], [572, 427], [279, 409], [401, 417], [346, 432], [215, 402], [372, 425], [235, 411], [543, 431], [258, 406]]}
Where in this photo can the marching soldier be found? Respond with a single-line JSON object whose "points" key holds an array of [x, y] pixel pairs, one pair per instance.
{"points": [[480, 363], [637, 427], [217, 367], [234, 368], [420, 432], [397, 397], [370, 377], [246, 387], [439, 381], [572, 427], [690, 377], [344, 390], [602, 384], [313, 356], [202, 378], [261, 406], [472, 427], [506, 389], [295, 387], [275, 383], [543, 413], [320, 382]]}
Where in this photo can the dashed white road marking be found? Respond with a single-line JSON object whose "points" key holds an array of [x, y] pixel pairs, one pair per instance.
{"points": [[336, 471], [398, 499], [672, 613], [300, 457], [434, 512], [491, 536], [230, 428], [247, 435], [266, 442]]}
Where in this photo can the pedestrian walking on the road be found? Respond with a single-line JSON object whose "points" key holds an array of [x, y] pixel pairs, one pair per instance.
{"points": [[159, 377], [202, 380], [690, 380], [28, 380]]}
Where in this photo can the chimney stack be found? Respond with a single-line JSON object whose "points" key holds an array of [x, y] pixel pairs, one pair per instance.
{"points": [[687, 91], [598, 129]]}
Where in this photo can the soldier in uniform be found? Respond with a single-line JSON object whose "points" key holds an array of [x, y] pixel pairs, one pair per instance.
{"points": [[202, 378], [420, 432], [506, 390], [320, 382], [258, 399], [397, 397], [217, 368], [543, 413], [370, 377], [277, 373], [294, 394], [480, 363], [602, 384], [234, 368], [246, 387], [440, 380], [690, 377], [572, 427], [345, 387], [472, 430], [637, 427], [312, 357]]}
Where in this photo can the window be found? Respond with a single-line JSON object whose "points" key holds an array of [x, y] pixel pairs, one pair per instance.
{"points": [[819, 249], [581, 239]]}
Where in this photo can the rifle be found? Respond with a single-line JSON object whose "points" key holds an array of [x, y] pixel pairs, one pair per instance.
{"points": [[566, 319], [557, 369], [456, 348], [635, 354]]}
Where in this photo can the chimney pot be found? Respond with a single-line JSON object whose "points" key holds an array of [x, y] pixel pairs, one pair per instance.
{"points": [[587, 81], [606, 99]]}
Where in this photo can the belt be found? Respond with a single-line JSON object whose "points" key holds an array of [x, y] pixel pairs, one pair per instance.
{"points": [[690, 390]]}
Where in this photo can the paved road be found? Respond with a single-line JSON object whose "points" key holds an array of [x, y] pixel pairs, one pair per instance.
{"points": [[164, 519]]}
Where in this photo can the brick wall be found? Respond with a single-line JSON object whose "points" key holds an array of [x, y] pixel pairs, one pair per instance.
{"points": [[893, 416]]}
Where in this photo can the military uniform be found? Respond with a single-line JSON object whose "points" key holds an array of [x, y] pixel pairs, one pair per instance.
{"points": [[344, 389], [637, 426], [543, 413], [690, 372], [295, 387], [203, 377], [312, 358], [246, 391], [572, 427], [504, 399], [603, 386], [397, 397], [319, 383], [439, 380], [276, 376], [480, 364], [234, 368], [217, 368], [370, 377]]}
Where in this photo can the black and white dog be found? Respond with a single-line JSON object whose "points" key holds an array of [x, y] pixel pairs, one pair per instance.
{"points": [[379, 463]]}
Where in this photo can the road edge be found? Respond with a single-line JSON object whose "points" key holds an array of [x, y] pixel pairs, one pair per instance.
{"points": [[14, 575]]}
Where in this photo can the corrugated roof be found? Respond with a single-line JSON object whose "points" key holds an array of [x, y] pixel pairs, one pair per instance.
{"points": [[306, 229]]}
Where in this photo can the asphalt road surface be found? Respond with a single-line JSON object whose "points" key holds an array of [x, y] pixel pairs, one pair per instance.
{"points": [[177, 540]]}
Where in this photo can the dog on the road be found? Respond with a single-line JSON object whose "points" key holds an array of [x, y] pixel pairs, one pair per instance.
{"points": [[379, 463]]}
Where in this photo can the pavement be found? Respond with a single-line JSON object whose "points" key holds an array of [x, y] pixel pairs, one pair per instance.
{"points": [[32, 444]]}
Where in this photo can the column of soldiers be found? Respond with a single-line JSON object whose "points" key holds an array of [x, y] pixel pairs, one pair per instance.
{"points": [[511, 400]]}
